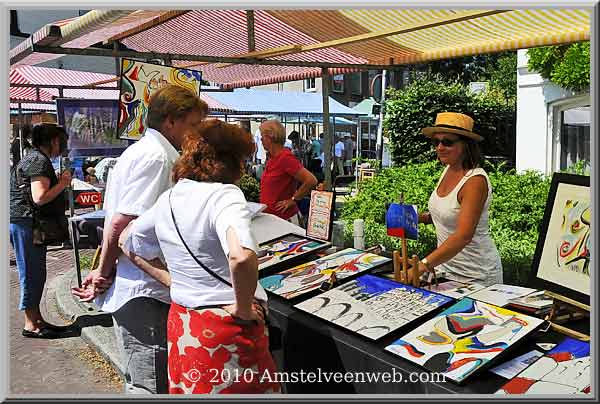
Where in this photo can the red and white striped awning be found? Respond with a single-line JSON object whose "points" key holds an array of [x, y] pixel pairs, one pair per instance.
{"points": [[60, 77]]}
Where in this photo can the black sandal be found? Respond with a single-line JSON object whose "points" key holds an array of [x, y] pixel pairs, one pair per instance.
{"points": [[46, 333]]}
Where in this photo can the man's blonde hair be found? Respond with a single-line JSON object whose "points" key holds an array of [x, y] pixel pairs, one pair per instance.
{"points": [[172, 101], [275, 130]]}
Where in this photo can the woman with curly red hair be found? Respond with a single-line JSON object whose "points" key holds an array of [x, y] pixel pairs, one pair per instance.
{"points": [[217, 339]]}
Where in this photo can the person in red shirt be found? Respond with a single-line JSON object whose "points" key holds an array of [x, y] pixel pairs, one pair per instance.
{"points": [[283, 172]]}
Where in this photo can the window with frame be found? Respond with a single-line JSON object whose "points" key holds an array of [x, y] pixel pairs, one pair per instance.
{"points": [[337, 83], [310, 84], [571, 135], [356, 83]]}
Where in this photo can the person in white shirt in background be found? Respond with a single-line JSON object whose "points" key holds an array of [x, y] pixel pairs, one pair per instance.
{"points": [[140, 304], [202, 229], [339, 156]]}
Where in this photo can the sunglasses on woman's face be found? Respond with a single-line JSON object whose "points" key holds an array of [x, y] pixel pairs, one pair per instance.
{"points": [[444, 141]]}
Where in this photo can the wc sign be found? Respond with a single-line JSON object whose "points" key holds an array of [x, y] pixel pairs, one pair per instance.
{"points": [[89, 198]]}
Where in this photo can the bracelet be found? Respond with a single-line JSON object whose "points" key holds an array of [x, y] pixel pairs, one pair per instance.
{"points": [[425, 262]]}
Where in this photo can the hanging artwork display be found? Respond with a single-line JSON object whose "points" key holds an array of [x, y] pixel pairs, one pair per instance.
{"points": [[287, 248], [309, 276], [561, 262], [464, 338], [566, 369], [372, 306], [320, 215], [91, 126], [138, 81]]}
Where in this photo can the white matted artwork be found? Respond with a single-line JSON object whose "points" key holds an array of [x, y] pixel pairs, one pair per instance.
{"points": [[500, 294], [464, 338], [564, 247], [457, 290], [372, 306]]}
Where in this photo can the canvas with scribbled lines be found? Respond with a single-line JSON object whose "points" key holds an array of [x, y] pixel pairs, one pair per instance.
{"points": [[309, 276], [138, 81], [464, 338], [287, 247], [372, 306]]}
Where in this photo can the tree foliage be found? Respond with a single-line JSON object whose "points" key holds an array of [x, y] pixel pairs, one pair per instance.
{"points": [[565, 65], [414, 107]]}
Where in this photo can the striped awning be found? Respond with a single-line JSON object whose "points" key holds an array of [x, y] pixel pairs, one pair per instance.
{"points": [[384, 37], [62, 77]]}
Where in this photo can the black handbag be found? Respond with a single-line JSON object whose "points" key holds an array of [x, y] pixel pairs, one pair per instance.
{"points": [[274, 332]]}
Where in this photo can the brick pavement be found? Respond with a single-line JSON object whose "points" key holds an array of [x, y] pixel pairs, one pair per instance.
{"points": [[61, 366]]}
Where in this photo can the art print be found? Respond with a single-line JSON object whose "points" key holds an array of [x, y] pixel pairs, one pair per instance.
{"points": [[460, 290], [286, 248], [562, 258], [320, 215], [464, 338], [372, 306], [309, 276], [500, 294], [139, 81], [566, 369]]}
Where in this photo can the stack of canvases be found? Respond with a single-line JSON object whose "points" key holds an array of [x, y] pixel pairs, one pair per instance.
{"points": [[457, 330]]}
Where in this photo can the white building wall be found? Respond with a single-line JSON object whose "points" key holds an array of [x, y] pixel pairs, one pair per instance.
{"points": [[536, 98]]}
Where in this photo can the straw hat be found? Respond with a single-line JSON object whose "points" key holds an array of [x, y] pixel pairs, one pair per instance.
{"points": [[453, 122], [90, 170]]}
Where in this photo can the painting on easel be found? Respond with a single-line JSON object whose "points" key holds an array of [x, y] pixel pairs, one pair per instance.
{"points": [[561, 262]]}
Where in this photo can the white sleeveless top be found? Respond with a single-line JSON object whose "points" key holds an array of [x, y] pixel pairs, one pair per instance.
{"points": [[479, 260]]}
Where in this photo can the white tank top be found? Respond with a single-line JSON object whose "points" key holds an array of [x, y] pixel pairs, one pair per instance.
{"points": [[479, 260]]}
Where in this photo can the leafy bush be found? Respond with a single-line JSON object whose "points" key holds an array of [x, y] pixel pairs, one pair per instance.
{"points": [[565, 65], [250, 187], [409, 110], [516, 211]]}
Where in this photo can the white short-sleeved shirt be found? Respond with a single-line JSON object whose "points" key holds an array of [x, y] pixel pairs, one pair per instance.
{"points": [[141, 175], [261, 154], [339, 149], [203, 211]]}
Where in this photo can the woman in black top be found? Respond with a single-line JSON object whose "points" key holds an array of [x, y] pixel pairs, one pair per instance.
{"points": [[34, 186]]}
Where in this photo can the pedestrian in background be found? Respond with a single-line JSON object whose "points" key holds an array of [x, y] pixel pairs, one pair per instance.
{"points": [[36, 194], [339, 156]]}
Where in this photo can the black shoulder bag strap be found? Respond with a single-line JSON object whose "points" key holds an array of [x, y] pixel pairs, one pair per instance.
{"points": [[214, 275]]}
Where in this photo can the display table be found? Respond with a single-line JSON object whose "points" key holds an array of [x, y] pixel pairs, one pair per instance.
{"points": [[310, 344]]}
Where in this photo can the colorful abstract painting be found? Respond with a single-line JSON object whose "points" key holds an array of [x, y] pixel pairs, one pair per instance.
{"points": [[286, 248], [564, 247], [372, 306], [138, 81], [455, 289], [308, 277], [566, 369], [464, 338]]}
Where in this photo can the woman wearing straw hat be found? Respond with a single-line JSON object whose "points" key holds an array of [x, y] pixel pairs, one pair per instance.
{"points": [[458, 207]]}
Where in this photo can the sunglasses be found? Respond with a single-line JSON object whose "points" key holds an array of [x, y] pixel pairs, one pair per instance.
{"points": [[445, 142]]}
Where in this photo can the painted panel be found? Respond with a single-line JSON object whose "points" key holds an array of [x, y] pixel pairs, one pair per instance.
{"points": [[309, 276], [464, 338], [372, 306], [287, 247]]}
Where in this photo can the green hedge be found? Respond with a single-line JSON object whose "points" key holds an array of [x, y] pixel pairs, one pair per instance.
{"points": [[516, 211], [409, 110], [250, 187]]}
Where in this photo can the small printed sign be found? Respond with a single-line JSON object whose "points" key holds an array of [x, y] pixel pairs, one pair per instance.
{"points": [[89, 198], [320, 215]]}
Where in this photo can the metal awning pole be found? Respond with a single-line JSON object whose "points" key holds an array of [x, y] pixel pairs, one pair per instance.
{"points": [[327, 138], [379, 145], [20, 130]]}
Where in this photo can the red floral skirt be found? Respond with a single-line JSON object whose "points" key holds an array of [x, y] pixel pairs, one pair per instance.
{"points": [[210, 352]]}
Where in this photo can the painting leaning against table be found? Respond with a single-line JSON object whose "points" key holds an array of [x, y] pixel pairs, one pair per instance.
{"points": [[464, 338]]}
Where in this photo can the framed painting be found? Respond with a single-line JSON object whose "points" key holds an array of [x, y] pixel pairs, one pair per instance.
{"points": [[320, 215], [287, 250], [561, 263], [91, 126], [138, 81], [308, 277], [566, 369], [372, 306], [463, 339]]}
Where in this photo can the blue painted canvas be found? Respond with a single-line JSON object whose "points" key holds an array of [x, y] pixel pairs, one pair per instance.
{"points": [[372, 306], [402, 221]]}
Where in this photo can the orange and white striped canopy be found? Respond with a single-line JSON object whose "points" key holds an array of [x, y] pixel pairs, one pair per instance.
{"points": [[351, 36]]}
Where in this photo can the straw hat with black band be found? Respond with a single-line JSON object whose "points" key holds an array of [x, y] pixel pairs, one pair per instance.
{"points": [[453, 122]]}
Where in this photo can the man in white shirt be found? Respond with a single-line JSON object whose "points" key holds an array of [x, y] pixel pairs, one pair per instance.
{"points": [[138, 302], [339, 156]]}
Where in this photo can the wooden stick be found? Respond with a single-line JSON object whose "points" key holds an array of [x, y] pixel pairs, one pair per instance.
{"points": [[569, 332], [567, 300], [405, 259], [397, 268]]}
